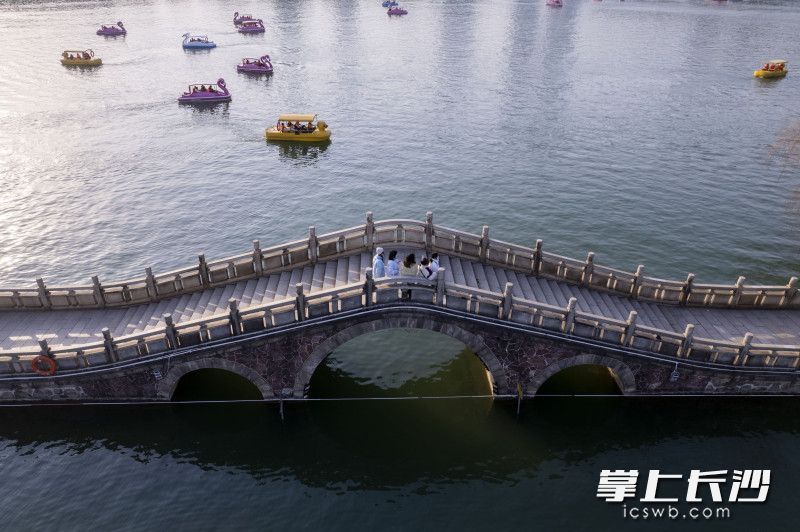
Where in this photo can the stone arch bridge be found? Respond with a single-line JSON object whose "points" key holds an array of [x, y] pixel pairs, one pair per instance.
{"points": [[272, 315]]}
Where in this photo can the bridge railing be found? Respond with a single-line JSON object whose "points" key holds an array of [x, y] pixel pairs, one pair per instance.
{"points": [[567, 321], [406, 233]]}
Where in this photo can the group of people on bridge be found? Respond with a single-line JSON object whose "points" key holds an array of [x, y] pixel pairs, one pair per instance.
{"points": [[427, 268]]}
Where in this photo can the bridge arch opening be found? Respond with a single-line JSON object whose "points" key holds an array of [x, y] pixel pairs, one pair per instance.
{"points": [[585, 374], [212, 379], [402, 356], [583, 379], [212, 384], [400, 363]]}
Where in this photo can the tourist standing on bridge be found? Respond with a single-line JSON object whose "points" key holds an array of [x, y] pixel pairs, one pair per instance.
{"points": [[425, 269], [434, 265], [378, 267], [408, 269], [393, 265]]}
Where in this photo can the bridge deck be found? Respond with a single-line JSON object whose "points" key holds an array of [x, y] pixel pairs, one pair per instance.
{"points": [[71, 327]]}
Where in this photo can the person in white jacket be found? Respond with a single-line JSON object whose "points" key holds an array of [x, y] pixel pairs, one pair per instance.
{"points": [[426, 271]]}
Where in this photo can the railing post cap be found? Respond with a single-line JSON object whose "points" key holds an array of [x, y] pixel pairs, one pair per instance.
{"points": [[148, 271], [689, 328], [168, 318], [95, 279], [632, 314], [369, 216], [689, 276], [792, 281], [590, 256], [299, 288], [233, 303], [748, 337]]}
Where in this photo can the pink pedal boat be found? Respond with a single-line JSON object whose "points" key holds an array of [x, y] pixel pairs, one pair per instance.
{"points": [[396, 11], [211, 93], [252, 26], [251, 65], [112, 30], [238, 19]]}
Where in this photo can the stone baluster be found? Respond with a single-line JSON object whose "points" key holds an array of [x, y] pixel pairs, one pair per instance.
{"points": [[202, 266], [791, 292], [369, 233], [686, 289], [171, 333], [637, 280], [440, 287], [300, 301], [508, 300], [483, 252], [588, 269], [45, 348], [150, 280], [313, 244], [747, 341], [369, 286], [109, 345], [428, 233], [97, 292], [537, 258], [630, 328], [44, 294], [737, 291], [686, 343], [235, 316], [569, 321], [258, 258]]}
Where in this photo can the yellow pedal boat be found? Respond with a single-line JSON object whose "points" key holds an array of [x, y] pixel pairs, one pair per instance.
{"points": [[772, 69], [80, 58], [299, 128]]}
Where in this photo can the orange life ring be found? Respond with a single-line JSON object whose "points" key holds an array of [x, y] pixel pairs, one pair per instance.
{"points": [[44, 366]]}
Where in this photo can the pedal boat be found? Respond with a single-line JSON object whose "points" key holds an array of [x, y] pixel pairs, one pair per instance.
{"points": [[112, 30], [197, 42], [396, 11], [238, 19], [555, 3], [83, 58], [251, 65], [252, 26], [210, 93], [772, 69], [389, 3], [312, 132]]}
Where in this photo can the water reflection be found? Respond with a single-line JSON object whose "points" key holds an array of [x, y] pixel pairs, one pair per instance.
{"points": [[301, 153]]}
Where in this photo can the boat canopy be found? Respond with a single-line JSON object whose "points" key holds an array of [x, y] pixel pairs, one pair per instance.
{"points": [[777, 61], [90, 52], [297, 118]]}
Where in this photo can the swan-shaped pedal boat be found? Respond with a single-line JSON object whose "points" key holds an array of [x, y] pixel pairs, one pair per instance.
{"points": [[251, 65], [197, 42], [772, 69], [112, 30], [389, 3], [206, 93], [83, 58], [252, 26], [299, 128], [396, 11], [238, 19]]}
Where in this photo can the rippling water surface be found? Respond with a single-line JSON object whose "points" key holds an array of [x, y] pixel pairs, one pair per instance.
{"points": [[632, 129]]}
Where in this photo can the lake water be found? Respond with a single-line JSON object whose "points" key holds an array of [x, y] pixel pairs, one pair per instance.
{"points": [[632, 129]]}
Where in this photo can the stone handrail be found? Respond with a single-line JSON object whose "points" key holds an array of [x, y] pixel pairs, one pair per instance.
{"points": [[413, 233], [505, 308]]}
